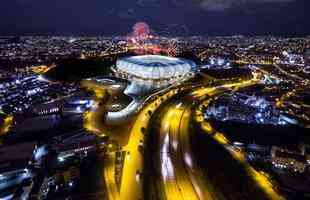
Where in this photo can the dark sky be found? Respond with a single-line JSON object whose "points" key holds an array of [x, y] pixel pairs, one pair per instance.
{"points": [[192, 17]]}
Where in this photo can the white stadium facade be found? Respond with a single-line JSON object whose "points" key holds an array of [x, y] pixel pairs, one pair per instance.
{"points": [[154, 71]]}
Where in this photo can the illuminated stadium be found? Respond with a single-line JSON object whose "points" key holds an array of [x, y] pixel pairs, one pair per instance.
{"points": [[154, 70]]}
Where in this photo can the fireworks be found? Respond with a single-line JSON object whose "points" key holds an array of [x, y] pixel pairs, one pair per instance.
{"points": [[172, 49], [140, 33], [142, 41], [141, 30]]}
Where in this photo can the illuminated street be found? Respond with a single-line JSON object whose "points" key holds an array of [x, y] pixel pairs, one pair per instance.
{"points": [[182, 178]]}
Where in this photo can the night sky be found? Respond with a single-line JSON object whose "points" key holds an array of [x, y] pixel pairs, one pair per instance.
{"points": [[177, 17]]}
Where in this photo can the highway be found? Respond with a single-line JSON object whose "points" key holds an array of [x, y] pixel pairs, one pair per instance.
{"points": [[133, 162], [131, 184], [181, 178], [176, 179]]}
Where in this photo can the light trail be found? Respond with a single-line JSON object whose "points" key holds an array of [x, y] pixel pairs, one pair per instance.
{"points": [[178, 186], [166, 163], [135, 163], [188, 181]]}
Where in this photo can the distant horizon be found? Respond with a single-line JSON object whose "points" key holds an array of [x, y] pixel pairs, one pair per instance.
{"points": [[188, 36]]}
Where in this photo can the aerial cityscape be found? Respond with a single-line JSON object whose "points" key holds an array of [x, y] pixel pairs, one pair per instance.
{"points": [[155, 115]]}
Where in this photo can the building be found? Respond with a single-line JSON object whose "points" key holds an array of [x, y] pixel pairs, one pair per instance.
{"points": [[243, 108], [154, 71], [290, 160], [14, 164], [79, 146]]}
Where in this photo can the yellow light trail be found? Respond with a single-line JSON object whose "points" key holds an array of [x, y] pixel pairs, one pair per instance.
{"points": [[180, 180], [133, 164]]}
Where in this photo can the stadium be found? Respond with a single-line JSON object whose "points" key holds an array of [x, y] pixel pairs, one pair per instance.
{"points": [[154, 70]]}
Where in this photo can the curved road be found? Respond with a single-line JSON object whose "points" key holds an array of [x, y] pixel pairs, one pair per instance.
{"points": [[181, 177]]}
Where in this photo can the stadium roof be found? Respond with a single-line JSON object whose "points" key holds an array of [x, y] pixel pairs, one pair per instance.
{"points": [[155, 66]]}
